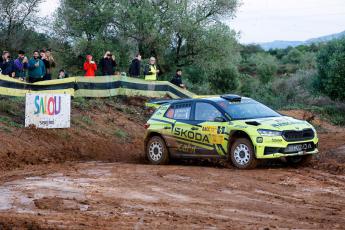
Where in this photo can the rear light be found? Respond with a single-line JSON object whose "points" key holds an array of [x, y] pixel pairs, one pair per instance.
{"points": [[147, 125]]}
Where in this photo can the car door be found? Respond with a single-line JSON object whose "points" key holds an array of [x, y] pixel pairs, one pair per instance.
{"points": [[213, 126], [182, 138]]}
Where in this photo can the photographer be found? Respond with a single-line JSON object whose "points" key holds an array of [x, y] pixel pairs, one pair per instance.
{"points": [[108, 64], [21, 65], [7, 65]]}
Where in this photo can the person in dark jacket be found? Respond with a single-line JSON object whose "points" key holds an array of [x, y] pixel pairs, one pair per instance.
{"points": [[177, 79], [36, 67], [21, 65], [108, 64], [63, 74], [7, 64], [134, 69]]}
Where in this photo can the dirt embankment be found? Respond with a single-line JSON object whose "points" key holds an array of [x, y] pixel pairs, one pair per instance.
{"points": [[100, 130]]}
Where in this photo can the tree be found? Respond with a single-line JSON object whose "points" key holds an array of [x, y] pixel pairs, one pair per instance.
{"points": [[331, 67], [180, 33], [17, 17], [294, 56], [224, 80], [266, 66]]}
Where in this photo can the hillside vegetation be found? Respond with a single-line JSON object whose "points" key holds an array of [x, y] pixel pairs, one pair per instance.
{"points": [[190, 35]]}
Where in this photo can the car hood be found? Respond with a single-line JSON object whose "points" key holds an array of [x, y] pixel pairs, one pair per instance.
{"points": [[278, 123]]}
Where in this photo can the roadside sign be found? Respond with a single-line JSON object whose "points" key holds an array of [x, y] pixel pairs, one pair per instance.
{"points": [[48, 111]]}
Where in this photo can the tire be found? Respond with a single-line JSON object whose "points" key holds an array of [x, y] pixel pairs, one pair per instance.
{"points": [[156, 151], [299, 160], [242, 154]]}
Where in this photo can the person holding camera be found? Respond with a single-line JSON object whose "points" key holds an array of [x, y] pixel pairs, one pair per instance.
{"points": [[90, 66], [21, 65], [37, 69], [7, 65], [108, 64]]}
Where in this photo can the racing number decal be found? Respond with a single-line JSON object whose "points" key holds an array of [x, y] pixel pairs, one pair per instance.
{"points": [[221, 130]]}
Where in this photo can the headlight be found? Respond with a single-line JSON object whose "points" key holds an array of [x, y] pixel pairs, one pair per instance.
{"points": [[269, 133]]}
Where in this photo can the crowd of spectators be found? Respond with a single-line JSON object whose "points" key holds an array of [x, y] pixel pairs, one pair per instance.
{"points": [[40, 67]]}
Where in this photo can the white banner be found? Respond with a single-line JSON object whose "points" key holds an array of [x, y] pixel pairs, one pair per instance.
{"points": [[48, 111]]}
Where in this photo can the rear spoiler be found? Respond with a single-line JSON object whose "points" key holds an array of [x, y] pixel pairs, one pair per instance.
{"points": [[155, 104]]}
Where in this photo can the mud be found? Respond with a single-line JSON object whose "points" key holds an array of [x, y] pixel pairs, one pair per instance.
{"points": [[90, 178], [132, 196]]}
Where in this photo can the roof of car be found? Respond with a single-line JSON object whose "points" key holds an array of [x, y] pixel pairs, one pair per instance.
{"points": [[206, 98]]}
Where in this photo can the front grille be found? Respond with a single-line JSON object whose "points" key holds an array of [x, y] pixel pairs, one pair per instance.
{"points": [[292, 135]]}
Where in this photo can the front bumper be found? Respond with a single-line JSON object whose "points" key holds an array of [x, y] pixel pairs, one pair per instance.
{"points": [[276, 147]]}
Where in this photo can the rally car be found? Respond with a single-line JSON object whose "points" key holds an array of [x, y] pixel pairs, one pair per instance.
{"points": [[229, 126]]}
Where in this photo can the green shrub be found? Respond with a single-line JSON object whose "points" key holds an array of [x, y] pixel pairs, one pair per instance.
{"points": [[266, 66], [224, 81], [331, 66]]}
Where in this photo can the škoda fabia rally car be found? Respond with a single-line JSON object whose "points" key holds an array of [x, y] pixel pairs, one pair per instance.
{"points": [[233, 127]]}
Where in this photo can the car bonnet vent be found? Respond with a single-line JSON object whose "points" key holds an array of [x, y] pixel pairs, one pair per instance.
{"points": [[254, 123], [232, 97]]}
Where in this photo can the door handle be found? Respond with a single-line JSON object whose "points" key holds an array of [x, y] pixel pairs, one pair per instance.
{"points": [[167, 127], [194, 128]]}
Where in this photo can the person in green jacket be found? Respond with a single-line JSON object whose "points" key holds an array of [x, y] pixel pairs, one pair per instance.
{"points": [[36, 67]]}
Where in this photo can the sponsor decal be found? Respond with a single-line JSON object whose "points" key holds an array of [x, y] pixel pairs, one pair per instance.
{"points": [[209, 129], [276, 140], [217, 138], [282, 124], [186, 148], [187, 134]]}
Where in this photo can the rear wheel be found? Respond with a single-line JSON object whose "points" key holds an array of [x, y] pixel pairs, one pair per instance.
{"points": [[299, 160], [242, 154], [156, 151]]}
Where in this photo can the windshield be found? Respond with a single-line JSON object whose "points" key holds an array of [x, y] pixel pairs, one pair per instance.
{"points": [[247, 110]]}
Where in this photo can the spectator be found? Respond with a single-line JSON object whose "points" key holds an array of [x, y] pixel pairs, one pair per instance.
{"points": [[134, 69], [90, 66], [62, 74], [108, 64], [7, 65], [177, 79], [21, 65], [36, 67], [44, 59], [50, 65], [151, 70]]}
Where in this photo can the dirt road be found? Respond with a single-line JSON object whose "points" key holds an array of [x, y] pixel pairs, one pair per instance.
{"points": [[134, 196]]}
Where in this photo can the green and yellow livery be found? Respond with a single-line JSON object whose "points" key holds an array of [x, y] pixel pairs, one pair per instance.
{"points": [[229, 126]]}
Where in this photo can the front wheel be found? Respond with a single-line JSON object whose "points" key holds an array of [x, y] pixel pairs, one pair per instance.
{"points": [[242, 154], [156, 151]]}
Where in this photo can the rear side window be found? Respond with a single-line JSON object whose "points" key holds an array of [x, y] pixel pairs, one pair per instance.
{"points": [[206, 112], [179, 112]]}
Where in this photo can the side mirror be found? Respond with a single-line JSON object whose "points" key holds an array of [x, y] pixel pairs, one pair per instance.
{"points": [[219, 119]]}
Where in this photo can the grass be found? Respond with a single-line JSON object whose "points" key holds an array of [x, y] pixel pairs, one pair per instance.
{"points": [[121, 134], [87, 120], [9, 122]]}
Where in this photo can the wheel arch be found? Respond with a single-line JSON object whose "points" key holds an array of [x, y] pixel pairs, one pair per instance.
{"points": [[150, 135], [236, 134]]}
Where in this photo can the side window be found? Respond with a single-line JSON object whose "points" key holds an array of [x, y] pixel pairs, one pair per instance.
{"points": [[179, 112], [206, 112]]}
